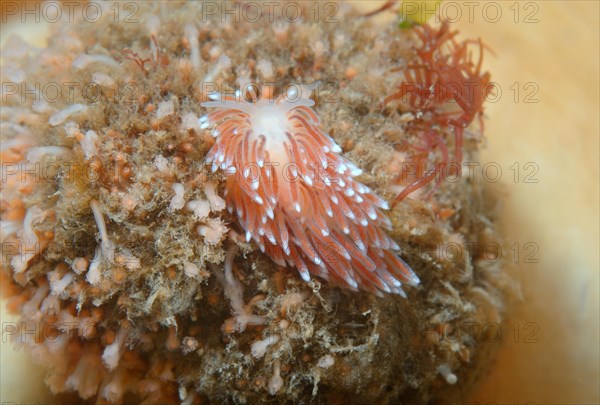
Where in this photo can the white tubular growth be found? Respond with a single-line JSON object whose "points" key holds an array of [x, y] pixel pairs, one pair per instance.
{"points": [[216, 202], [106, 250], [259, 348], [447, 373], [34, 215], [8, 228], [102, 79], [31, 245], [213, 231], [21, 261], [276, 382], [84, 60], [59, 285], [61, 116], [86, 376], [112, 352], [51, 305], [164, 109], [162, 164], [200, 208], [89, 144], [178, 200], [32, 307], [191, 34], [93, 275], [35, 154], [189, 398], [233, 290], [190, 121], [107, 246], [224, 62]]}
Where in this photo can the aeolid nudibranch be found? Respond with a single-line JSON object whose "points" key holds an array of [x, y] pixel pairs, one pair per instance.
{"points": [[296, 196]]}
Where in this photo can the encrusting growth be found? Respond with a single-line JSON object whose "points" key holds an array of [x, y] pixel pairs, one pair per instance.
{"points": [[296, 197]]}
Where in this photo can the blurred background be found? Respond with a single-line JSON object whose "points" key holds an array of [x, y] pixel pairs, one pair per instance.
{"points": [[543, 132]]}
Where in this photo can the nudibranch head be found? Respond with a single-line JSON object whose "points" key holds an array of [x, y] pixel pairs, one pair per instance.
{"points": [[296, 196]]}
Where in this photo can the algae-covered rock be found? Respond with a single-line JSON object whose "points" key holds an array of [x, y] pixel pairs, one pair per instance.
{"points": [[120, 250]]}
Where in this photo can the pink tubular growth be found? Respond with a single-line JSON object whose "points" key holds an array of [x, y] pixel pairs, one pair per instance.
{"points": [[296, 197]]}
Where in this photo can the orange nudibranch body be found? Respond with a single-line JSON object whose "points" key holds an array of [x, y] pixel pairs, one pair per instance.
{"points": [[296, 196]]}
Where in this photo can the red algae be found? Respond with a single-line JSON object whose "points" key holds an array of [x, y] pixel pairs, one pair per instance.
{"points": [[445, 89]]}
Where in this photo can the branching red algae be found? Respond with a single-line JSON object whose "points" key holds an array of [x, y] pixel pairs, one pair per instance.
{"points": [[442, 73]]}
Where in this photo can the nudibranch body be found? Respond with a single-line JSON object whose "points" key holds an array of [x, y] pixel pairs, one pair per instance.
{"points": [[296, 196]]}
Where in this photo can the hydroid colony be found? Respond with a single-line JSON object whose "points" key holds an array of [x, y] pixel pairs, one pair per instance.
{"points": [[120, 251]]}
